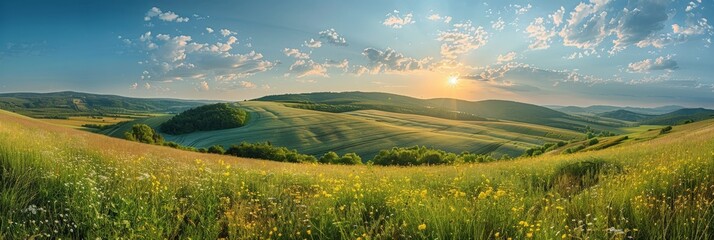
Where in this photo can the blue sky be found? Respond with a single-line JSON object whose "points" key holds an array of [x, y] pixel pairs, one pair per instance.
{"points": [[643, 53]]}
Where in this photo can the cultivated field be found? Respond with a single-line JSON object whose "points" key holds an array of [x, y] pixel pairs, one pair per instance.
{"points": [[366, 132], [59, 182]]}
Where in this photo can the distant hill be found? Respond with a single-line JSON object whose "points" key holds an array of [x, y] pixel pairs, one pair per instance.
{"points": [[63, 104], [626, 115], [598, 109], [680, 116], [672, 118], [490, 109]]}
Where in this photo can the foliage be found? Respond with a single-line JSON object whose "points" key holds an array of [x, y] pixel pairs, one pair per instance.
{"points": [[205, 118], [268, 151], [425, 156], [144, 134], [87, 187], [665, 130], [535, 151]]}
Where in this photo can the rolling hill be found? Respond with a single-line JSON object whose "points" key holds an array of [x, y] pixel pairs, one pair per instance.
{"points": [[598, 109], [65, 104], [676, 117], [364, 132], [490, 109], [70, 184]]}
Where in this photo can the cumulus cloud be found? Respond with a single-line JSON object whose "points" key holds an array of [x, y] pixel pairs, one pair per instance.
{"points": [[313, 43], [660, 63], [390, 60], [203, 86], [461, 39], [396, 20], [538, 33], [506, 57], [209, 30], [434, 17], [133, 86], [640, 22], [292, 52], [498, 24], [179, 56], [226, 32], [586, 27], [557, 16], [520, 10], [167, 16], [303, 68], [344, 64], [332, 37]]}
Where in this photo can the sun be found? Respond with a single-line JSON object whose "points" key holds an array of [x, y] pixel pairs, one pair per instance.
{"points": [[453, 80]]}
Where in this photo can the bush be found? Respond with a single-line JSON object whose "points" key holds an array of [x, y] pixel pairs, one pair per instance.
{"points": [[665, 130], [217, 149], [349, 159], [205, 118], [329, 157], [144, 134], [425, 156], [593, 141], [269, 152]]}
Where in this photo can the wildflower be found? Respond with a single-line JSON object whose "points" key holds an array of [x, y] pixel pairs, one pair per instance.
{"points": [[309, 232], [529, 234], [422, 227]]}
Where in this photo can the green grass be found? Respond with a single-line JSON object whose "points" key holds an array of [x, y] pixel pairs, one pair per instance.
{"points": [[58, 182], [366, 132]]}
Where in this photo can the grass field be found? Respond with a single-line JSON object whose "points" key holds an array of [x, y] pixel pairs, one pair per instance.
{"points": [[366, 132], [59, 182], [78, 122]]}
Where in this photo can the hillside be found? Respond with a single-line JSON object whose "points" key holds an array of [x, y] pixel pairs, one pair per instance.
{"points": [[365, 132], [91, 186], [598, 109], [681, 116], [626, 115], [205, 118], [66, 104], [491, 109]]}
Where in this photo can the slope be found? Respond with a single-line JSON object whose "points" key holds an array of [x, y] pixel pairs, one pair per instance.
{"points": [[365, 132]]}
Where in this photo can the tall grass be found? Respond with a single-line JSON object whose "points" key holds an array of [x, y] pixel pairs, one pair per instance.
{"points": [[68, 184]]}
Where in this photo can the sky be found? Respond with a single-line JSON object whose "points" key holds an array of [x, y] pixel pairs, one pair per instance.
{"points": [[615, 52]]}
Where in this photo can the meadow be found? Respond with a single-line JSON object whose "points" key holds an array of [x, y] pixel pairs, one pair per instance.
{"points": [[365, 132], [59, 182]]}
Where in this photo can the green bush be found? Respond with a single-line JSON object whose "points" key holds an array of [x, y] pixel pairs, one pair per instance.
{"points": [[206, 118], [425, 156], [269, 152], [144, 134], [665, 130]]}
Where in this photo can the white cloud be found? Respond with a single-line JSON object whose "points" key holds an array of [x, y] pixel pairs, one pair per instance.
{"points": [[209, 30], [226, 32], [313, 43], [292, 52], [660, 63], [434, 17], [585, 28], [134, 86], [506, 57], [332, 37], [461, 39], [447, 19], [344, 64], [303, 68], [557, 16], [147, 86], [395, 20], [520, 10], [167, 16], [539, 34], [498, 24], [391, 61], [640, 23], [203, 86]]}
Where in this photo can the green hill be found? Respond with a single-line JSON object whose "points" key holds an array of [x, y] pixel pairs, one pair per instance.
{"points": [[365, 132], [205, 118], [489, 109], [626, 115], [71, 184], [66, 104], [681, 116]]}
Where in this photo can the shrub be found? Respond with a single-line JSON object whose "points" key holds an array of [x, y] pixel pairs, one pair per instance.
{"points": [[144, 134], [269, 152], [349, 159], [217, 149], [665, 130], [329, 157], [205, 118]]}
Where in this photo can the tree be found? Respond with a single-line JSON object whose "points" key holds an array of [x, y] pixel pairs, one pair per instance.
{"points": [[218, 149], [144, 134], [350, 159], [329, 157]]}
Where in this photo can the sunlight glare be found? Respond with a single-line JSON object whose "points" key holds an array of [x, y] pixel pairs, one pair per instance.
{"points": [[453, 80]]}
